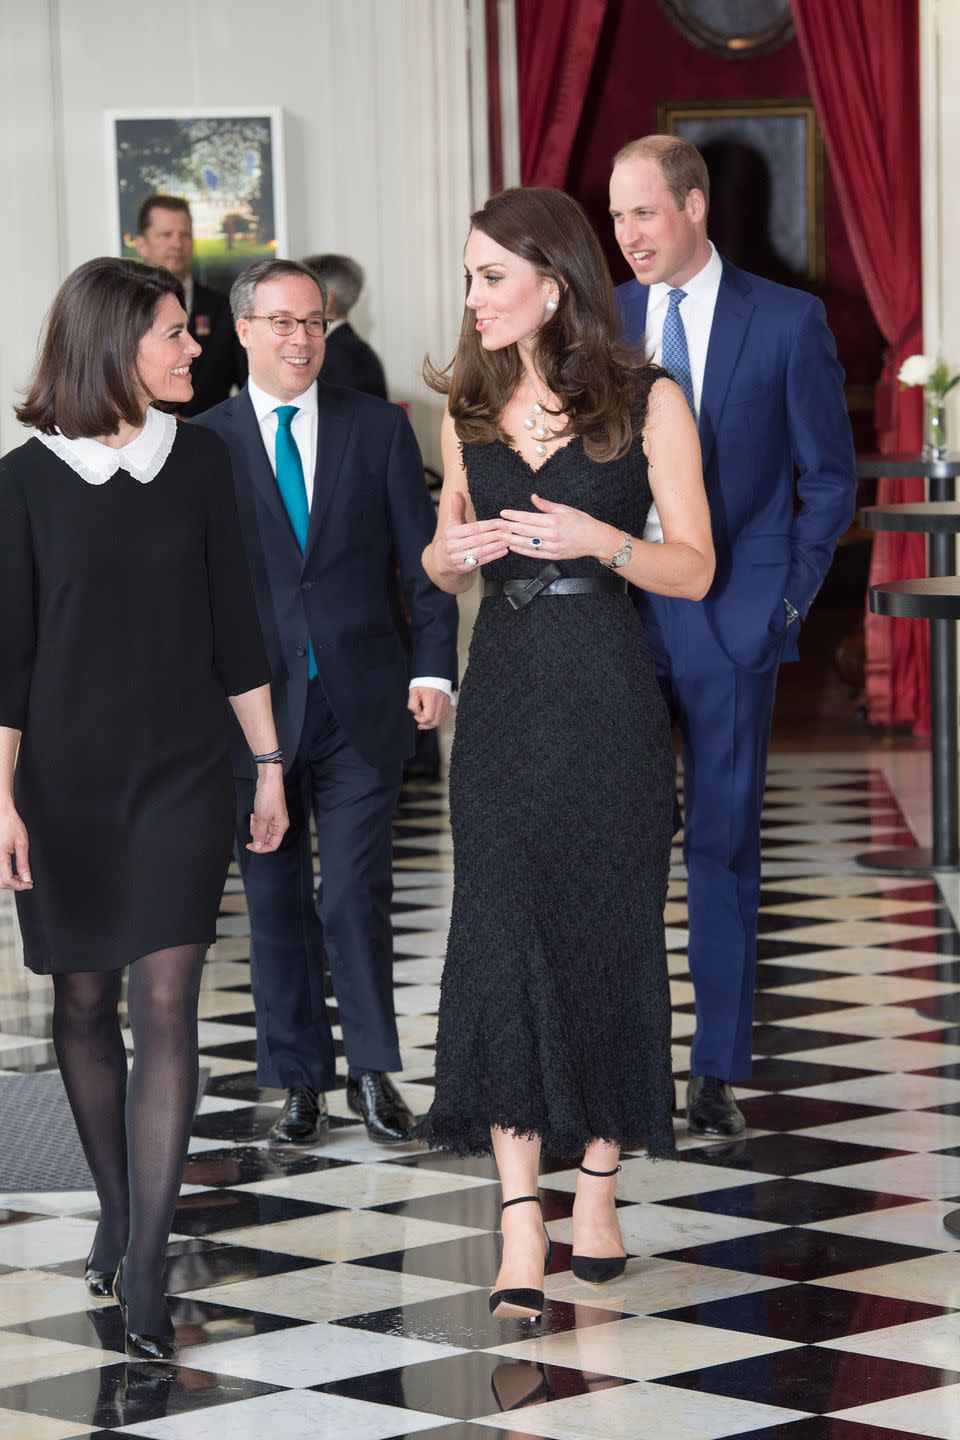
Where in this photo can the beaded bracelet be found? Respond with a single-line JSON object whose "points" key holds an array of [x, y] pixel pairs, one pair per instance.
{"points": [[274, 758]]}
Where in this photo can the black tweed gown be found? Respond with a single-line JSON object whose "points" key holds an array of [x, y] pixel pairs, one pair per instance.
{"points": [[555, 1007], [127, 617]]}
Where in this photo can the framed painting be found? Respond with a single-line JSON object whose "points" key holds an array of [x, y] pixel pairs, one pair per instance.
{"points": [[765, 160], [226, 163], [732, 29]]}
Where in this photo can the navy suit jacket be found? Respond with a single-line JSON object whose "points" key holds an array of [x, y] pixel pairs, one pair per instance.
{"points": [[370, 511], [772, 401], [222, 362]]}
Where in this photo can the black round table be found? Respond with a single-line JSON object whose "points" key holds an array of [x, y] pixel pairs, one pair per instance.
{"points": [[940, 473], [938, 517], [941, 521], [935, 600]]}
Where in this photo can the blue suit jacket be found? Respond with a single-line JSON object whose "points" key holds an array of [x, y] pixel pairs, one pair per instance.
{"points": [[370, 510], [772, 400]]}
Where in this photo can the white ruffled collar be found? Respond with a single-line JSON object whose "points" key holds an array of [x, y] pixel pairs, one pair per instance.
{"points": [[143, 458]]}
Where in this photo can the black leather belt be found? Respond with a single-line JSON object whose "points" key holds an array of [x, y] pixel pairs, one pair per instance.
{"points": [[550, 582]]}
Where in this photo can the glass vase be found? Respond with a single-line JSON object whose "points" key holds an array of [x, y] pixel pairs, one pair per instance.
{"points": [[934, 427]]}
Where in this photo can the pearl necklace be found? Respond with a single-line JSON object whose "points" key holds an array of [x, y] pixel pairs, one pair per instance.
{"points": [[534, 422]]}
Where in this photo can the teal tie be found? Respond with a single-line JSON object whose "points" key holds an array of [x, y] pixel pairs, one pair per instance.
{"points": [[293, 491]]}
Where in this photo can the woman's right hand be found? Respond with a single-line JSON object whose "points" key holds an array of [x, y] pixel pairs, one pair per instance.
{"points": [[14, 842], [484, 540]]}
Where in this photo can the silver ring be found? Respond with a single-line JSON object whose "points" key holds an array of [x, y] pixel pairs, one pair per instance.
{"points": [[536, 542], [470, 559]]}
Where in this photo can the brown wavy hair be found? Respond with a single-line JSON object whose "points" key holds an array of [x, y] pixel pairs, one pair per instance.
{"points": [[601, 384], [85, 381]]}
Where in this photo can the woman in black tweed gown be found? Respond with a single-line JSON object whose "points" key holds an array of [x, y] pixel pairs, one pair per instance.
{"points": [[555, 1010]]}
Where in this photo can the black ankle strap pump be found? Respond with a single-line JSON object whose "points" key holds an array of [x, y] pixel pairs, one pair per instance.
{"points": [[596, 1270], [521, 1303]]}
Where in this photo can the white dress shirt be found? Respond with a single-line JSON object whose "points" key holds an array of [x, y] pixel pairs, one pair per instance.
{"points": [[696, 316], [303, 427]]}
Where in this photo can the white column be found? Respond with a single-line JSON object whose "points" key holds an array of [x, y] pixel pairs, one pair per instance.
{"points": [[509, 91], [940, 206], [940, 187]]}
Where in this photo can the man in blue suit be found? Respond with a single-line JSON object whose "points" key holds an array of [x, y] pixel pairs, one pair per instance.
{"points": [[759, 368], [330, 489]]}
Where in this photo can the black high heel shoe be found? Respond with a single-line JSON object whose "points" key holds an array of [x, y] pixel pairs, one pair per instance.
{"points": [[140, 1346], [520, 1303], [593, 1269], [99, 1283]]}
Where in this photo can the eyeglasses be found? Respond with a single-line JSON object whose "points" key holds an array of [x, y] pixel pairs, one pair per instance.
{"points": [[289, 324]]}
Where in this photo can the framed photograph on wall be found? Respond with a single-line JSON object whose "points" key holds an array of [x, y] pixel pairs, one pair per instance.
{"points": [[732, 29], [226, 163], [765, 159]]}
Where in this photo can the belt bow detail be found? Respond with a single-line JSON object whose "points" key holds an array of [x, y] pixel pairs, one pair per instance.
{"points": [[520, 592]]}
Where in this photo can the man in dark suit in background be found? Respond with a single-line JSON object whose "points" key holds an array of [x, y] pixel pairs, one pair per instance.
{"points": [[329, 483], [350, 361], [759, 368], [165, 237]]}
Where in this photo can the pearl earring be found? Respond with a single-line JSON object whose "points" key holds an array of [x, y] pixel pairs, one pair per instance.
{"points": [[551, 305]]}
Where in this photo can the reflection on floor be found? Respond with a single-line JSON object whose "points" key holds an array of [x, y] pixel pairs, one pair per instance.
{"points": [[799, 1274]]}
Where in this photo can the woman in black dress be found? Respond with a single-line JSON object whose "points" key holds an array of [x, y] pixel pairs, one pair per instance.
{"points": [[554, 1023], [127, 618]]}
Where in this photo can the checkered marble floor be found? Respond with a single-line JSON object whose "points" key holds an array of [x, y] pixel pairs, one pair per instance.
{"points": [[798, 1283]]}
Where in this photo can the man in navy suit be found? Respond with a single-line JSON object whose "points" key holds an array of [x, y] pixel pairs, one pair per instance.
{"points": [[759, 368], [329, 487], [350, 361]]}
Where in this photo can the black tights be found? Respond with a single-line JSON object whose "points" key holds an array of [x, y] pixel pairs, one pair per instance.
{"points": [[134, 1134]]}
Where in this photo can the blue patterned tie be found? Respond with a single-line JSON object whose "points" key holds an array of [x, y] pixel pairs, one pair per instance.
{"points": [[293, 490], [674, 355]]}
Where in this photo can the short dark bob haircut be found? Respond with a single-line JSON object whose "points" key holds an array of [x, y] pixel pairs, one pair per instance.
{"points": [[599, 383], [86, 381]]}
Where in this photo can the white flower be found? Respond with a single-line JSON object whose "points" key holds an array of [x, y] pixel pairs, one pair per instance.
{"points": [[917, 370]]}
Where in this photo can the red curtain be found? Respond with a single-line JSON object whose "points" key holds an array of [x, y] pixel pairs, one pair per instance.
{"points": [[862, 61], [556, 47]]}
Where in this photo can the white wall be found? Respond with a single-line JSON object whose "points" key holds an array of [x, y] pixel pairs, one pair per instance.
{"points": [[376, 97]]}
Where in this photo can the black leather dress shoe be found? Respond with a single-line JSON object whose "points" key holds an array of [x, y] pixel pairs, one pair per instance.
{"points": [[304, 1119], [374, 1097], [711, 1107], [139, 1345]]}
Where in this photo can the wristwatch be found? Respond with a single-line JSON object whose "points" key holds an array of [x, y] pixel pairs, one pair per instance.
{"points": [[792, 612], [622, 556]]}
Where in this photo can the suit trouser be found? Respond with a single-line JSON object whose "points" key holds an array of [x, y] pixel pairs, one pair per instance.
{"points": [[724, 714], [347, 922]]}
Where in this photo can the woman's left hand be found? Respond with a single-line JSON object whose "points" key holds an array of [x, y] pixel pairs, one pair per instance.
{"points": [[561, 532], [269, 822]]}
